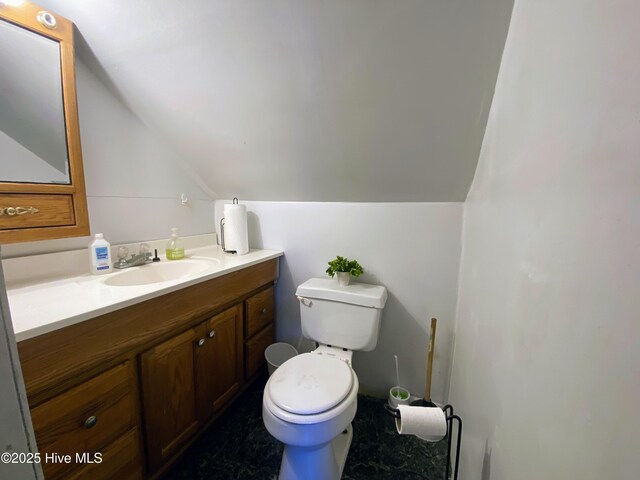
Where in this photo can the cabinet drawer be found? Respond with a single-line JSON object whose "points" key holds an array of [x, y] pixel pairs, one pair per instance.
{"points": [[254, 351], [27, 211], [120, 460], [65, 424], [259, 312]]}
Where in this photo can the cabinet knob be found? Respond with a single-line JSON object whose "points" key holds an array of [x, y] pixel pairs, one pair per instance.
{"points": [[212, 333], [201, 342], [263, 311], [90, 422]]}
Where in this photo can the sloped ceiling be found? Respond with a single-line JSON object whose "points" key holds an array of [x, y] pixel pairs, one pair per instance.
{"points": [[359, 100]]}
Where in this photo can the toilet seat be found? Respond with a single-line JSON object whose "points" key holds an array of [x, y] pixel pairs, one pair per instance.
{"points": [[309, 384], [340, 406]]}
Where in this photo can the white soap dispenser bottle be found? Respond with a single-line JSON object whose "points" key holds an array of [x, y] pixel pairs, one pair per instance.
{"points": [[100, 253]]}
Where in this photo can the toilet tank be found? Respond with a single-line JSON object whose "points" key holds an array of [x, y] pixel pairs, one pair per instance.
{"points": [[341, 316]]}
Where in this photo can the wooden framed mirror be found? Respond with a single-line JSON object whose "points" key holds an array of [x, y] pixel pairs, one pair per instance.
{"points": [[42, 190]]}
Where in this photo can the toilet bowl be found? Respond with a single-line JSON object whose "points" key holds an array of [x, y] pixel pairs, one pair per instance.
{"points": [[308, 404], [310, 400]]}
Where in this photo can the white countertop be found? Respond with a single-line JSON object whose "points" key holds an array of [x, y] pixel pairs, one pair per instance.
{"points": [[39, 307]]}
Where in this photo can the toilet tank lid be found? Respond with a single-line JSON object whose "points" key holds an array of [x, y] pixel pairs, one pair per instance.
{"points": [[361, 294]]}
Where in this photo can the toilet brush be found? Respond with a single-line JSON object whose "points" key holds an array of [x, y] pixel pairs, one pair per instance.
{"points": [[397, 395], [426, 401]]}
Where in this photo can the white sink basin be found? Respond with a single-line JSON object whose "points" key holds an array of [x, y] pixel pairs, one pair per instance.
{"points": [[160, 272]]}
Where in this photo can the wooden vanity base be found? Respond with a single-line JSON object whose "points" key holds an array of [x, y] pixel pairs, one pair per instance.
{"points": [[153, 375]]}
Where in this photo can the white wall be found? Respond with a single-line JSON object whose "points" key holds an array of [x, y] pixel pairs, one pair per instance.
{"points": [[411, 248], [133, 178], [547, 358], [360, 100]]}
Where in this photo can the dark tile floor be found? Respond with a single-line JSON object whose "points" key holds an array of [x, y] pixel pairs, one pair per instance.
{"points": [[239, 447]]}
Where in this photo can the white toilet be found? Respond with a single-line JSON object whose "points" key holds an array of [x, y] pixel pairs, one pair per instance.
{"points": [[311, 399]]}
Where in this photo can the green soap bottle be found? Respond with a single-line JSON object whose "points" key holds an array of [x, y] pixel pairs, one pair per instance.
{"points": [[174, 250]]}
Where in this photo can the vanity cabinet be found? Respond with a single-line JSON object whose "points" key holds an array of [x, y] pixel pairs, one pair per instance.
{"points": [[186, 379], [254, 351], [42, 189], [218, 362], [93, 417], [120, 460], [140, 384], [258, 330], [168, 390]]}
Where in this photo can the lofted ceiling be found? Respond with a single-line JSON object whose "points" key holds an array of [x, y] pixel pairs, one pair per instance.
{"points": [[305, 100]]}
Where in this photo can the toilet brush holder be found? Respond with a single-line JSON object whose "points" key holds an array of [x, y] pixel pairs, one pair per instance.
{"points": [[398, 396]]}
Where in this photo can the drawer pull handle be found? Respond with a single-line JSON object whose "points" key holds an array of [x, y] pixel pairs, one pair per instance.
{"points": [[90, 422], [13, 211], [201, 342], [212, 333], [263, 311]]}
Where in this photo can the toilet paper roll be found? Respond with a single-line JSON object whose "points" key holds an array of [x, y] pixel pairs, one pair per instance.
{"points": [[428, 423], [236, 234]]}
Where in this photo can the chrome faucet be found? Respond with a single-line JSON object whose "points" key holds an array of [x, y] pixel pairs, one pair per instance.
{"points": [[141, 258]]}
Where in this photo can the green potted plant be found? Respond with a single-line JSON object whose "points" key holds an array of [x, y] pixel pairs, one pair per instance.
{"points": [[344, 268]]}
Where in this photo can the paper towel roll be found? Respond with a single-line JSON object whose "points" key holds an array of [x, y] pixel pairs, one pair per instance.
{"points": [[428, 423], [236, 234]]}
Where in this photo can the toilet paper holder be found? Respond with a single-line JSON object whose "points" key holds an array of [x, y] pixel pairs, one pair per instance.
{"points": [[451, 417]]}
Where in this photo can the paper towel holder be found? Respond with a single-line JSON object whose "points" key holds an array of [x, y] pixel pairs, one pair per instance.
{"points": [[222, 238], [449, 415], [235, 202]]}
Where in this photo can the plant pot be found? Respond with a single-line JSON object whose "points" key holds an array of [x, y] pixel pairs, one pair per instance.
{"points": [[343, 278]]}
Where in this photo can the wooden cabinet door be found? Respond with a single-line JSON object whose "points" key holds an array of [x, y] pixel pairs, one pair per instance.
{"points": [[169, 396], [219, 361]]}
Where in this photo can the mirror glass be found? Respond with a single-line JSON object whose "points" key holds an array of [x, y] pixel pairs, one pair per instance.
{"points": [[33, 139]]}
